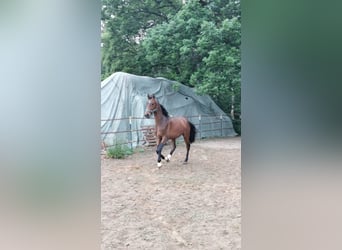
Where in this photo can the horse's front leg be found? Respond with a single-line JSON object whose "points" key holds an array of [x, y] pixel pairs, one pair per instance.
{"points": [[158, 143], [159, 150]]}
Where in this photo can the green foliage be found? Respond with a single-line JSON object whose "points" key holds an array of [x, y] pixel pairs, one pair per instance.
{"points": [[200, 48], [197, 44], [119, 151], [124, 25], [175, 86], [171, 49], [237, 126]]}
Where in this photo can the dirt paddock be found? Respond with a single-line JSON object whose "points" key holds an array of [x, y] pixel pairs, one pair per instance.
{"points": [[179, 206]]}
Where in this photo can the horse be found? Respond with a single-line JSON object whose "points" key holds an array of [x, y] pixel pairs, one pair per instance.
{"points": [[169, 128]]}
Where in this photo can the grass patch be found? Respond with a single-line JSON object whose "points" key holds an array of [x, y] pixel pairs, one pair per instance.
{"points": [[119, 151]]}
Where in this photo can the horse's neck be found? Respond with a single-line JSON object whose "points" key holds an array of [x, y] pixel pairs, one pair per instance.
{"points": [[159, 118]]}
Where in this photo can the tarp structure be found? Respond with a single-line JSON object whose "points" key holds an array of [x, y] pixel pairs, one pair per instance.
{"points": [[125, 95]]}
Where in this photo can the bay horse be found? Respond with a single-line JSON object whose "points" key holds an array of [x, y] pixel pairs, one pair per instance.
{"points": [[169, 128]]}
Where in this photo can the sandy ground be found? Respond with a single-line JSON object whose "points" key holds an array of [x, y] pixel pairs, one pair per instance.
{"points": [[179, 206]]}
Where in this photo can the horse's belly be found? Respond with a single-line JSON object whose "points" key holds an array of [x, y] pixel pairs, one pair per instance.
{"points": [[169, 134], [174, 134]]}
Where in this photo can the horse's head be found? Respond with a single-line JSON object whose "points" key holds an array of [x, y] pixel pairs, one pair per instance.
{"points": [[151, 106]]}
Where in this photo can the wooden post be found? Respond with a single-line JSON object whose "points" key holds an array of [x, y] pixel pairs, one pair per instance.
{"points": [[221, 125], [131, 133], [199, 126]]}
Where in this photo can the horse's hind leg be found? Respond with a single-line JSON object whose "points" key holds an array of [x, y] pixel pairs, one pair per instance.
{"points": [[172, 150], [187, 143], [187, 152]]}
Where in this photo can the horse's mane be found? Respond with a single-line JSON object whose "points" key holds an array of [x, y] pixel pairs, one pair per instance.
{"points": [[164, 111]]}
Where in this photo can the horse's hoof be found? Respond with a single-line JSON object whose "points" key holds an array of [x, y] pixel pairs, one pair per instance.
{"points": [[159, 164], [168, 158], [185, 162]]}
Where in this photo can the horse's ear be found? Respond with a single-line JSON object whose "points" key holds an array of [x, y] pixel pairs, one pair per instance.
{"points": [[148, 96], [153, 96]]}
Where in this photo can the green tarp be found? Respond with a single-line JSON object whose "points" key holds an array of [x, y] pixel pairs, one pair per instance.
{"points": [[125, 95]]}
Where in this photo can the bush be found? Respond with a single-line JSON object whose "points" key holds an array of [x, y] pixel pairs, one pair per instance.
{"points": [[119, 151], [237, 126]]}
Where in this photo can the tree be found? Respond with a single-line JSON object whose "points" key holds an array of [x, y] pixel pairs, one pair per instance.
{"points": [[196, 43], [201, 49], [219, 72], [124, 25], [170, 47]]}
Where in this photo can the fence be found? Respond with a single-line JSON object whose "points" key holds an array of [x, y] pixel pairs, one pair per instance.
{"points": [[134, 131]]}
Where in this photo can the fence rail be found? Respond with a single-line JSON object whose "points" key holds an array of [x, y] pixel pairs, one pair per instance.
{"points": [[199, 121]]}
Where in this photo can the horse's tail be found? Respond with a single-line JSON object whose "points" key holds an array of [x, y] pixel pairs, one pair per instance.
{"points": [[192, 132]]}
